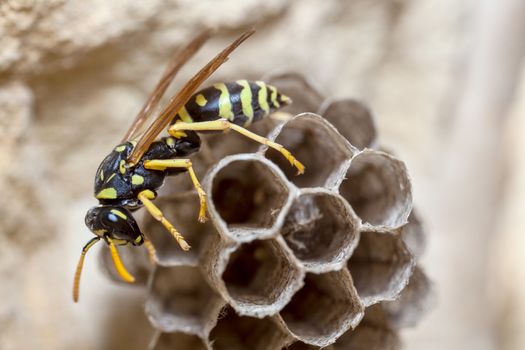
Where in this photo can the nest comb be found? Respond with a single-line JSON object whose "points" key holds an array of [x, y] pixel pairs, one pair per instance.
{"points": [[326, 259]]}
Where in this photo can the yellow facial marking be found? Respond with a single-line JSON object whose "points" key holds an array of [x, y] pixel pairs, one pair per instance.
{"points": [[262, 97], [100, 232], [122, 167], [107, 193], [184, 115], [273, 96], [170, 142], [225, 105], [138, 239], [201, 100], [101, 174], [246, 100], [137, 180], [119, 214], [120, 148]]}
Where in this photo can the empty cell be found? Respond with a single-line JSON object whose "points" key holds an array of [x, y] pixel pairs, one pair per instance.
{"points": [[234, 332], [353, 120], [373, 333], [413, 303], [326, 307], [303, 94], [135, 259], [321, 229], [368, 337], [377, 186], [182, 211], [247, 195], [179, 299], [260, 277], [380, 266], [177, 340], [315, 143]]}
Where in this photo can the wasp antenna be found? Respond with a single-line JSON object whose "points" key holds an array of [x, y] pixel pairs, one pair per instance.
{"points": [[78, 272], [124, 274]]}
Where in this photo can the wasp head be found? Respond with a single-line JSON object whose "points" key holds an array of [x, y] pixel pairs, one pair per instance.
{"points": [[116, 226], [115, 223]]}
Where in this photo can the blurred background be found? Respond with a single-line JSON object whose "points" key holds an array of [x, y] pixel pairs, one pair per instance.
{"points": [[444, 79]]}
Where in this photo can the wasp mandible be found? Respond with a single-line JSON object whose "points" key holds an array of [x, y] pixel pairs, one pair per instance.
{"points": [[127, 179]]}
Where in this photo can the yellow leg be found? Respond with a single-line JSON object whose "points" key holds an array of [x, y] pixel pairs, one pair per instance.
{"points": [[145, 197], [163, 164], [152, 253], [223, 124]]}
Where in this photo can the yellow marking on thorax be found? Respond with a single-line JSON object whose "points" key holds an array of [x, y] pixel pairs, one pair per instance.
{"points": [[201, 100], [110, 177], [225, 104], [137, 180], [107, 193], [119, 214], [262, 97], [120, 148], [273, 96], [121, 166], [246, 100], [184, 115], [101, 174]]}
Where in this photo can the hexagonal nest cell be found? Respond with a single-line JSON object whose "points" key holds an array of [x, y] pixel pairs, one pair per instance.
{"points": [[177, 340], [179, 299], [323, 309], [182, 211], [378, 188], [321, 229], [374, 332], [381, 266], [316, 144], [353, 120], [247, 195], [234, 332], [261, 277]]}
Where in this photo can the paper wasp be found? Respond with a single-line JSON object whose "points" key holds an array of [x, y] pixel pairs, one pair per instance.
{"points": [[128, 177]]}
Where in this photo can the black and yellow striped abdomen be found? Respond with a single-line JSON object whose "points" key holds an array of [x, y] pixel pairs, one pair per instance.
{"points": [[241, 102]]}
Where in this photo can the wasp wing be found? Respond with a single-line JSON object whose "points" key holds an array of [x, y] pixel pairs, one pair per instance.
{"points": [[176, 63], [180, 99]]}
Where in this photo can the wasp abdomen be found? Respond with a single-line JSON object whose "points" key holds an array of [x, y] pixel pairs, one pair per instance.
{"points": [[241, 102]]}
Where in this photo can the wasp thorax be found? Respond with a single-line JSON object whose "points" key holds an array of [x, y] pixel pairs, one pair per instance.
{"points": [[114, 222]]}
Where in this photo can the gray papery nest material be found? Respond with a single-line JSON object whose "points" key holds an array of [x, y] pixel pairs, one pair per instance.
{"points": [[326, 259]]}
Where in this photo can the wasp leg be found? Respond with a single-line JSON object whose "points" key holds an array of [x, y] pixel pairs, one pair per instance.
{"points": [[152, 253], [223, 124], [163, 164], [145, 197]]}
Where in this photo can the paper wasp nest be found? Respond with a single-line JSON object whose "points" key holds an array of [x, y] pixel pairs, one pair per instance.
{"points": [[326, 259]]}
